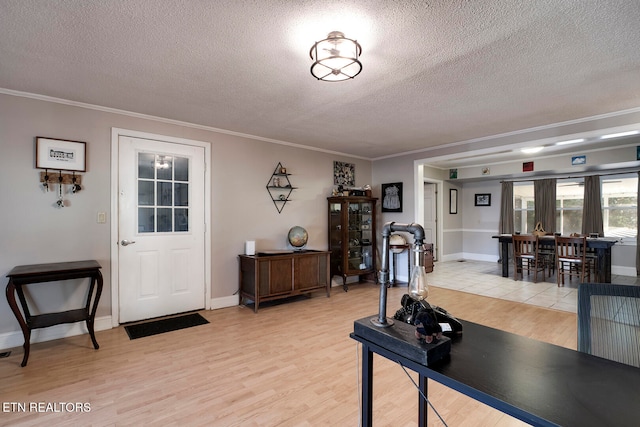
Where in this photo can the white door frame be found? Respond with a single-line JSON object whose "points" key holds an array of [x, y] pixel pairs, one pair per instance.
{"points": [[116, 133], [418, 185]]}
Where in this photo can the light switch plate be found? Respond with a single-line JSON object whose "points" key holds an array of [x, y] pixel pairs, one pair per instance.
{"points": [[102, 217]]}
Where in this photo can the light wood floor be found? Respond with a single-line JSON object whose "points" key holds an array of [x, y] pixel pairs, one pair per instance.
{"points": [[291, 364]]}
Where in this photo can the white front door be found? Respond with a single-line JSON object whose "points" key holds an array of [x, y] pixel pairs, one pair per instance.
{"points": [[430, 217], [161, 246]]}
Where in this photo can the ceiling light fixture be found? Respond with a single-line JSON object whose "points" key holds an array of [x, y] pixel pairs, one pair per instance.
{"points": [[617, 135], [531, 150], [571, 141], [335, 58]]}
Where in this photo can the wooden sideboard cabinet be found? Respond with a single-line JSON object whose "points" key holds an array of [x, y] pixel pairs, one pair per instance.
{"points": [[280, 275]]}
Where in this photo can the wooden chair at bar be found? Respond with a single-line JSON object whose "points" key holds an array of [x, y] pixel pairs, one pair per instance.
{"points": [[571, 256], [592, 261], [526, 255]]}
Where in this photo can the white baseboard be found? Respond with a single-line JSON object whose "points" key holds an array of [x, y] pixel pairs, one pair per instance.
{"points": [[623, 271], [224, 302], [16, 339], [480, 257], [452, 257]]}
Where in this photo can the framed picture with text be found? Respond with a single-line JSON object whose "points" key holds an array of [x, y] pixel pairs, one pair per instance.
{"points": [[60, 154]]}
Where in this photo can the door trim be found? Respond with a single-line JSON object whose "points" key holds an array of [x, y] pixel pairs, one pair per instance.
{"points": [[116, 133], [418, 194]]}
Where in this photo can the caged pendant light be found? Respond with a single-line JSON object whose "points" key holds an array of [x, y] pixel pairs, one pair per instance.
{"points": [[335, 58]]}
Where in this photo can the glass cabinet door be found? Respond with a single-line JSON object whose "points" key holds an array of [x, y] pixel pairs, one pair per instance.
{"points": [[352, 237], [360, 249], [335, 235]]}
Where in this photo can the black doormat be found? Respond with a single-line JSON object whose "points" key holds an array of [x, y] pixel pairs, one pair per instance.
{"points": [[164, 325]]}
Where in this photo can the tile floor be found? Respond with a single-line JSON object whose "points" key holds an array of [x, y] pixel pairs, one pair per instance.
{"points": [[485, 278]]}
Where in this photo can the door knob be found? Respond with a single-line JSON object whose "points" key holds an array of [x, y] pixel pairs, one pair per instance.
{"points": [[126, 242]]}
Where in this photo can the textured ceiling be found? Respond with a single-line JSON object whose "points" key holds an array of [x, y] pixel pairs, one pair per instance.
{"points": [[434, 72]]}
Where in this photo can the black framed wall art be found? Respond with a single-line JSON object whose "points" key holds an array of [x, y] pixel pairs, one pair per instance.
{"points": [[453, 201], [60, 154], [392, 197], [344, 174], [483, 199]]}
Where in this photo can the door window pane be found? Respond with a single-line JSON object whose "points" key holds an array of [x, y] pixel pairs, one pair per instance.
{"points": [[146, 165], [165, 220], [163, 193], [146, 220], [145, 193], [164, 167], [181, 219], [181, 166], [181, 194]]}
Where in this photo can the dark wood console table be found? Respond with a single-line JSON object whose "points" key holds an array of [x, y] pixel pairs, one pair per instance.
{"points": [[539, 383], [282, 274], [40, 273]]}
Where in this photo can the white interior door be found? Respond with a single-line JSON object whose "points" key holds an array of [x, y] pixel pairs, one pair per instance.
{"points": [[430, 216], [161, 228]]}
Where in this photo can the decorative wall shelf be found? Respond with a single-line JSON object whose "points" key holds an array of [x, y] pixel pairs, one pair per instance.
{"points": [[279, 187]]}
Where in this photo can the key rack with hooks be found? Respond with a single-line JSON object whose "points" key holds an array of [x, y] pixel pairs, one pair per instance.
{"points": [[65, 183]]}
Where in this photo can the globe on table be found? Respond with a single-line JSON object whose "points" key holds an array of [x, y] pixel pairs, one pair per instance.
{"points": [[298, 237], [397, 243]]}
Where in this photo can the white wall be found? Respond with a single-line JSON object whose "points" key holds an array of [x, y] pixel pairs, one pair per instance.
{"points": [[34, 231], [480, 223]]}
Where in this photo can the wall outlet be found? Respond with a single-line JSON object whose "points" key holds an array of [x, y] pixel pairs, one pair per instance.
{"points": [[102, 217]]}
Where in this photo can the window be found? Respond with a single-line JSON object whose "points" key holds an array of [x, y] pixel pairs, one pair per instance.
{"points": [[569, 203], [619, 205], [523, 207], [163, 193]]}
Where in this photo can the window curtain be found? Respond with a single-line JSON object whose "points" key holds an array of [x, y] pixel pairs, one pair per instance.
{"points": [[592, 209], [505, 224], [544, 194]]}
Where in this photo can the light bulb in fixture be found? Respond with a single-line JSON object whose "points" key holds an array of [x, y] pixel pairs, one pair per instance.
{"points": [[619, 134], [336, 58], [570, 141], [531, 150]]}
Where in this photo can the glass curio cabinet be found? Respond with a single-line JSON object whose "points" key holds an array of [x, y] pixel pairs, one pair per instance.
{"points": [[352, 237]]}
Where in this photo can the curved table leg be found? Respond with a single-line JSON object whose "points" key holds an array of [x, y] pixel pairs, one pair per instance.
{"points": [[92, 314], [11, 299]]}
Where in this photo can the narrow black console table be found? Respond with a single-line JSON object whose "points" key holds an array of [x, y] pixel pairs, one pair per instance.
{"points": [[40, 273], [539, 383]]}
